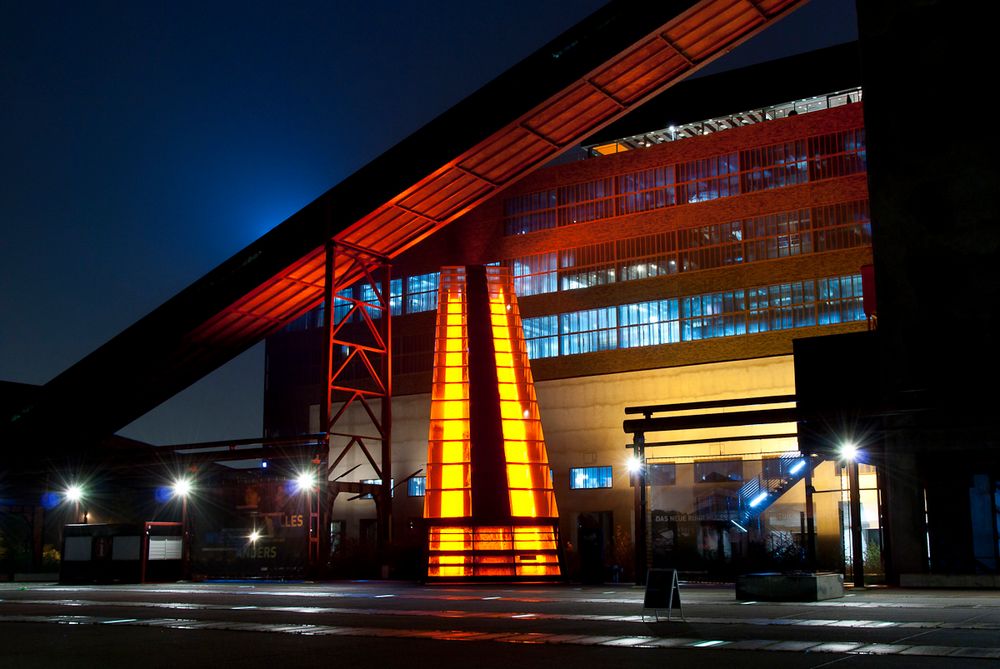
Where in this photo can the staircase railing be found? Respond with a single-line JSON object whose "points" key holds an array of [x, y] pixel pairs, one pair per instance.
{"points": [[778, 477]]}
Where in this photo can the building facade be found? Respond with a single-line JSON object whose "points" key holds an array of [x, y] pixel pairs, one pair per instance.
{"points": [[677, 265]]}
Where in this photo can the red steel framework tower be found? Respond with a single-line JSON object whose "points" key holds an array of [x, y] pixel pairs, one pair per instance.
{"points": [[490, 507]]}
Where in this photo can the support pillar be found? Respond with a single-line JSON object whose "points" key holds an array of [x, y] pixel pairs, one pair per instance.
{"points": [[357, 369]]}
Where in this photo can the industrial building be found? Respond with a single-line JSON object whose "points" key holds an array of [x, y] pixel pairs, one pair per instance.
{"points": [[835, 265], [674, 265]]}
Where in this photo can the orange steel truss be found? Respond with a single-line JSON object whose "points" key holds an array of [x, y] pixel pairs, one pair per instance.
{"points": [[489, 504], [358, 336]]}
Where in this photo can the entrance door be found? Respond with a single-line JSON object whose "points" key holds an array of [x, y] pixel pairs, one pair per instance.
{"points": [[594, 534]]}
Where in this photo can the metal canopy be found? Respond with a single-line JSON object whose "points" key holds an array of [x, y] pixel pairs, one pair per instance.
{"points": [[591, 75]]}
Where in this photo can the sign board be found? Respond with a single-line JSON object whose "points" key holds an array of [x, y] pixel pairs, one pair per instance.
{"points": [[662, 592]]}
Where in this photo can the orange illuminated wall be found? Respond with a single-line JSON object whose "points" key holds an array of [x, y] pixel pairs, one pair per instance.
{"points": [[489, 504]]}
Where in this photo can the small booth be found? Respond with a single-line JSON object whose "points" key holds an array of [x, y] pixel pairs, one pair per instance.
{"points": [[122, 553]]}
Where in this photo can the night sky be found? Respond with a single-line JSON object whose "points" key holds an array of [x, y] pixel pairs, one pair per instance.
{"points": [[143, 143]]}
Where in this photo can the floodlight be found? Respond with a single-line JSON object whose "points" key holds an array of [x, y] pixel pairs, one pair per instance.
{"points": [[254, 536], [181, 487], [848, 451], [73, 493], [305, 481], [634, 464]]}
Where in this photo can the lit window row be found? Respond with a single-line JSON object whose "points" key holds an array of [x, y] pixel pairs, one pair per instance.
{"points": [[763, 168], [421, 294], [660, 474], [721, 314], [772, 236]]}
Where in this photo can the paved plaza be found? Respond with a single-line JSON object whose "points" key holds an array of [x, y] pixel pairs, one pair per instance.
{"points": [[402, 624]]}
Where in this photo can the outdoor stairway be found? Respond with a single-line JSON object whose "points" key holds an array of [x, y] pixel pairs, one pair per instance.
{"points": [[759, 493]]}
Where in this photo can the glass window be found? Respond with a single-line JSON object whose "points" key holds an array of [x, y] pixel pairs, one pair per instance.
{"points": [[416, 486], [542, 336], [712, 315], [530, 213], [376, 482], [588, 331], [648, 323], [717, 471], [840, 300], [422, 292], [582, 478], [662, 474], [395, 298], [534, 275]]}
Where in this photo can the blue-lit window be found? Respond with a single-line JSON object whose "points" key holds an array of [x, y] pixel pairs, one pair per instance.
{"points": [[781, 307], [648, 324], [712, 315], [422, 292], [534, 275], [341, 304], [542, 336], [588, 331], [585, 478], [840, 300], [377, 482], [395, 298], [718, 471], [416, 486]]}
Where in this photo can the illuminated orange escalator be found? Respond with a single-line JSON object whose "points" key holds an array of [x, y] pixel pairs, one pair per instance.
{"points": [[490, 508]]}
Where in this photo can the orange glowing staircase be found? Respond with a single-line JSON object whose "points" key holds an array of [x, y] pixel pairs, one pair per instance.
{"points": [[489, 505]]}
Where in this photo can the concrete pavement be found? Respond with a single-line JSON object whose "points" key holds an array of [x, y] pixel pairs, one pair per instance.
{"points": [[397, 624]]}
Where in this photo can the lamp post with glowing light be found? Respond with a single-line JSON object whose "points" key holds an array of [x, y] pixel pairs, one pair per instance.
{"points": [[182, 488], [637, 470], [305, 482], [849, 454], [74, 494]]}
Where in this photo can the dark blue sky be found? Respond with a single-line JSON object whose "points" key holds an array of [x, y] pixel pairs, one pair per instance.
{"points": [[142, 143]]}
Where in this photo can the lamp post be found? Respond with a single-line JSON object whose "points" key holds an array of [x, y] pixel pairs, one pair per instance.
{"points": [[849, 453], [637, 468], [74, 493], [305, 482], [182, 489]]}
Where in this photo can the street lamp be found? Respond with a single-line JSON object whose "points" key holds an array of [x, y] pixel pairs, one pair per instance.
{"points": [[74, 494], [305, 482], [182, 488], [637, 469], [848, 451], [849, 454]]}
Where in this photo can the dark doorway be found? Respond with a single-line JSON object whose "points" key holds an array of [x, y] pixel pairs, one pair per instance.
{"points": [[594, 532]]}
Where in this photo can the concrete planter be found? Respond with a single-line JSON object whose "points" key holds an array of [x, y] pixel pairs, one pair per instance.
{"points": [[775, 587]]}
